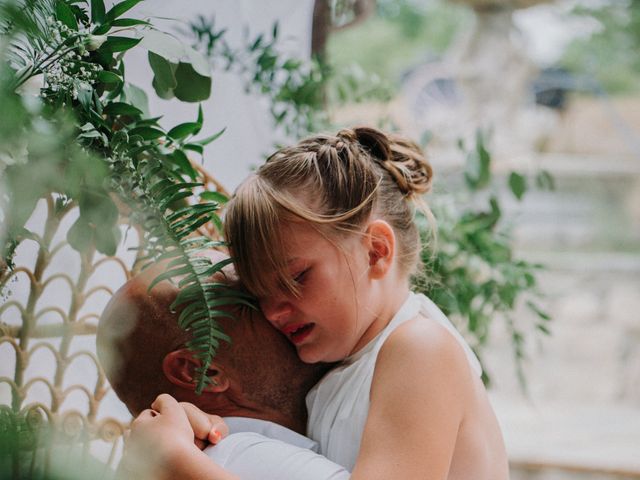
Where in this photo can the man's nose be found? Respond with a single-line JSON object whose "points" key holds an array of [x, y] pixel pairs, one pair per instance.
{"points": [[276, 310]]}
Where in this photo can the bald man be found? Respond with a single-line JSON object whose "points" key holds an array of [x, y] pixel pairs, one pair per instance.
{"points": [[258, 384]]}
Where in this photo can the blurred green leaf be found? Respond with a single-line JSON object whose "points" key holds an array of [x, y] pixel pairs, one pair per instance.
{"points": [[517, 184]]}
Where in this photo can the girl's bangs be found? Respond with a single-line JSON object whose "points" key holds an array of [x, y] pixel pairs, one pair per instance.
{"points": [[253, 227]]}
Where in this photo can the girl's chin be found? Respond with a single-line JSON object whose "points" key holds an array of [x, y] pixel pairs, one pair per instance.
{"points": [[309, 354]]}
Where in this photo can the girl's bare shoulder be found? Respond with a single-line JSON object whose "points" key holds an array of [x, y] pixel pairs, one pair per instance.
{"points": [[424, 346]]}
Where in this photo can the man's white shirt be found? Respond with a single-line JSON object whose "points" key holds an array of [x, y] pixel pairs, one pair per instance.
{"points": [[262, 450]]}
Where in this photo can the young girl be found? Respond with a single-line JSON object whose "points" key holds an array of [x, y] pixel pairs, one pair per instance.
{"points": [[323, 234]]}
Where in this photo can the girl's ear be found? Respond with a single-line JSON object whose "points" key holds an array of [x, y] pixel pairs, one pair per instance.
{"points": [[180, 367], [381, 245]]}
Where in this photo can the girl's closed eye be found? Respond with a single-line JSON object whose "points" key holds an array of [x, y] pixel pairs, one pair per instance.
{"points": [[299, 277]]}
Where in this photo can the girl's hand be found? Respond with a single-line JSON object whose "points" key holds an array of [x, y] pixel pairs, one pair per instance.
{"points": [[207, 428], [161, 443], [160, 439]]}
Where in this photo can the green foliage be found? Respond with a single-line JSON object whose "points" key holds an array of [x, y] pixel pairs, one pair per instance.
{"points": [[85, 137], [23, 439], [294, 89], [402, 34], [610, 53], [473, 275]]}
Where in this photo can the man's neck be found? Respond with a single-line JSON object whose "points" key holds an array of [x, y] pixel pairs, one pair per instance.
{"points": [[295, 421]]}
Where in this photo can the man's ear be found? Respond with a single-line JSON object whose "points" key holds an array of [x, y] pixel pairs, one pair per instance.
{"points": [[179, 366], [381, 245]]}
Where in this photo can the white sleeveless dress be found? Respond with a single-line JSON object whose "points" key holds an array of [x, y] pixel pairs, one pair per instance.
{"points": [[339, 404]]}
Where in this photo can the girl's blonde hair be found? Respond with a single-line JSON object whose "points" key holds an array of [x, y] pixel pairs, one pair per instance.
{"points": [[335, 183]]}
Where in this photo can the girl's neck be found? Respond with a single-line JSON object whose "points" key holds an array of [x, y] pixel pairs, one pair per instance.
{"points": [[392, 297]]}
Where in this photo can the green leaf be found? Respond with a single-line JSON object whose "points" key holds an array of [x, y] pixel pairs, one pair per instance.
{"points": [[538, 311], [136, 97], [97, 12], [164, 45], [517, 184], [147, 133], [545, 181], [164, 72], [182, 161], [108, 77], [121, 108], [197, 61], [107, 239], [184, 130], [120, 8], [80, 235], [121, 44], [128, 22], [212, 138], [200, 119], [165, 94], [192, 87], [194, 147], [214, 197], [65, 15]]}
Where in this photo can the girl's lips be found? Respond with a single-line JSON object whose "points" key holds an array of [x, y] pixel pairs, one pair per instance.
{"points": [[298, 332]]}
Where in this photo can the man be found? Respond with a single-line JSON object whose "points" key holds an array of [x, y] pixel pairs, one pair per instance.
{"points": [[258, 384]]}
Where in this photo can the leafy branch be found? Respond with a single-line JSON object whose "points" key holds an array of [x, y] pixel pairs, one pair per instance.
{"points": [[86, 139], [473, 275]]}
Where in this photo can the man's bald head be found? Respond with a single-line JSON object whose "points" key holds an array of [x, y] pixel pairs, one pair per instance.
{"points": [[142, 349]]}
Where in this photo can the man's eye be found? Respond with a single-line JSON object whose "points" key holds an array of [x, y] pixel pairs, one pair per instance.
{"points": [[299, 278]]}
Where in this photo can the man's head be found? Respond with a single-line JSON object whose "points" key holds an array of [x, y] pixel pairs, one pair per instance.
{"points": [[143, 352]]}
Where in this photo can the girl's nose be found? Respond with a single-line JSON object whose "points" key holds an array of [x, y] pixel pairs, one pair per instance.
{"points": [[276, 310]]}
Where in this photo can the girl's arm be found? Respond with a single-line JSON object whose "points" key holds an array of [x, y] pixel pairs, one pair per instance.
{"points": [[420, 385], [161, 444]]}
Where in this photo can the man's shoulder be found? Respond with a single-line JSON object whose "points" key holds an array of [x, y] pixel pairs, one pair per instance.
{"points": [[252, 455]]}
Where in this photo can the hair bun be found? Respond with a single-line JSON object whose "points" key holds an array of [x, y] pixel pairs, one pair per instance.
{"points": [[409, 166], [402, 158]]}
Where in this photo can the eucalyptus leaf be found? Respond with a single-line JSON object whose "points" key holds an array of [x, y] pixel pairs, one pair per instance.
{"points": [[164, 72], [192, 87], [164, 45], [80, 235], [136, 97]]}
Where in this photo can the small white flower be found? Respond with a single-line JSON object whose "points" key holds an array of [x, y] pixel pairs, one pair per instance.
{"points": [[94, 42]]}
